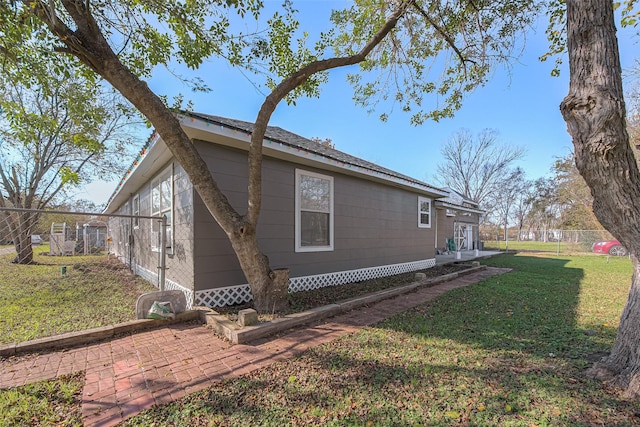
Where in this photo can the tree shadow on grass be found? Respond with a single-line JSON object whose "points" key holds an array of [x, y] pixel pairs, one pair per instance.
{"points": [[362, 383], [532, 309], [505, 351], [524, 324]]}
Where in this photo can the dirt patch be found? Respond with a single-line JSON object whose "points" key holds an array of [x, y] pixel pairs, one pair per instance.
{"points": [[306, 300]]}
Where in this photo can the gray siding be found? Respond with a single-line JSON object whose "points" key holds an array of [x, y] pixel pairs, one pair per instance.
{"points": [[470, 218], [446, 224], [445, 227], [180, 261], [374, 224]]}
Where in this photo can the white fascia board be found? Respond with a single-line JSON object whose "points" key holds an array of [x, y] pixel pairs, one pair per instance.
{"points": [[155, 156], [441, 204]]}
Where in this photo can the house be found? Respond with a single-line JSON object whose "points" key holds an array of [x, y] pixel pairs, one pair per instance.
{"points": [[329, 217], [457, 218]]}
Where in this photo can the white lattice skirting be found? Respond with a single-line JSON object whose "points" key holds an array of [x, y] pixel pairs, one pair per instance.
{"points": [[169, 285], [220, 297]]}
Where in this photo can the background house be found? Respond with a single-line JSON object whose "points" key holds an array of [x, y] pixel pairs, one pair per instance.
{"points": [[329, 217], [458, 218]]}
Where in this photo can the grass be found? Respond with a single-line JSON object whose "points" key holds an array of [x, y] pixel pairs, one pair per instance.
{"points": [[525, 245], [510, 351], [566, 248], [39, 301], [47, 403]]}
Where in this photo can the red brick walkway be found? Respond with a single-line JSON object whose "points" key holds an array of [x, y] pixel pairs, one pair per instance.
{"points": [[129, 374]]}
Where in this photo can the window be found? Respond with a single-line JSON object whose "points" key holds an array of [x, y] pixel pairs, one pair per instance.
{"points": [[314, 212], [162, 205], [123, 240], [136, 211], [424, 212]]}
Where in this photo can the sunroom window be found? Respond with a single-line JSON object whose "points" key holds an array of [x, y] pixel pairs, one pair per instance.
{"points": [[162, 205]]}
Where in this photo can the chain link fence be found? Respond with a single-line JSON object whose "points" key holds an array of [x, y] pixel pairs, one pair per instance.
{"points": [[552, 240], [67, 271]]}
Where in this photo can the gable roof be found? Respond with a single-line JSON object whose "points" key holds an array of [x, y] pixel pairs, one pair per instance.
{"points": [[458, 198], [458, 201], [297, 149], [277, 134]]}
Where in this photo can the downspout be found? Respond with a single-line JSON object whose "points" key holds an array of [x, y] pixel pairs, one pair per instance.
{"points": [[435, 239], [163, 253]]}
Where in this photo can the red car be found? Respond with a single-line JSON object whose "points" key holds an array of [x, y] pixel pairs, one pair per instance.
{"points": [[610, 247]]}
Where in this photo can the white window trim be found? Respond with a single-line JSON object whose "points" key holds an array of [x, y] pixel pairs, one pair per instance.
{"points": [[136, 202], [298, 243], [420, 201], [126, 226], [168, 170]]}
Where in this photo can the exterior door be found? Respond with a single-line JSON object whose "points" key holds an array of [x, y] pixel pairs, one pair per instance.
{"points": [[463, 235], [460, 236], [469, 237]]}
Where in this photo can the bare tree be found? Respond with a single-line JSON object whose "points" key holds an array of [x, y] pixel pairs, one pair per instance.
{"points": [[505, 198], [523, 205], [573, 197], [476, 167], [545, 211]]}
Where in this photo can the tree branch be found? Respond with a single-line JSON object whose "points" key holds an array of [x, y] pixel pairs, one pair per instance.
{"points": [[444, 35], [283, 89]]}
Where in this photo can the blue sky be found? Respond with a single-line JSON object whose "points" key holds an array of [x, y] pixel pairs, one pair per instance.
{"points": [[522, 104]]}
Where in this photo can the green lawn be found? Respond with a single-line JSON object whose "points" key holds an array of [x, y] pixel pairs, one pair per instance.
{"points": [[47, 403], [510, 351], [38, 300], [561, 248], [501, 245]]}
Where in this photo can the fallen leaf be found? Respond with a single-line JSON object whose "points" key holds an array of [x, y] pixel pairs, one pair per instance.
{"points": [[452, 414]]}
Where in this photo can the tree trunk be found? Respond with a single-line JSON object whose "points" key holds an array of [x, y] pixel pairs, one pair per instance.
{"points": [[622, 366], [20, 225], [89, 45], [595, 114], [268, 287], [24, 250]]}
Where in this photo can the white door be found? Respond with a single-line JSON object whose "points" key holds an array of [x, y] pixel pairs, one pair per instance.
{"points": [[460, 236], [469, 237], [463, 235]]}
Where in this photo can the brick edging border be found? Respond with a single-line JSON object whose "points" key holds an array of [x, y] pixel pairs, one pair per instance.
{"points": [[221, 324], [87, 336], [237, 335]]}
